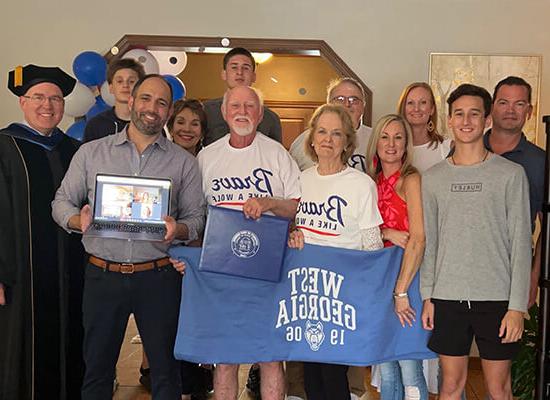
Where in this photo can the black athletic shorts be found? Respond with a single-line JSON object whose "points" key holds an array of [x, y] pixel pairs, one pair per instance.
{"points": [[456, 323]]}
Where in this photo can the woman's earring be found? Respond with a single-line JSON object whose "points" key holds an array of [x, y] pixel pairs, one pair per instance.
{"points": [[431, 126]]}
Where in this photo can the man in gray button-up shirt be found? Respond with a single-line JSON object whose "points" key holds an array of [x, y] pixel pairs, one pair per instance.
{"points": [[152, 295]]}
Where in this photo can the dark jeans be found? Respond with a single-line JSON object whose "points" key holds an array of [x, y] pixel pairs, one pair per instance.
{"points": [[326, 381], [109, 299]]}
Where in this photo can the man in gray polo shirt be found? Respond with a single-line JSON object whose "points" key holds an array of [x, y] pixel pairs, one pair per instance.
{"points": [[152, 291]]}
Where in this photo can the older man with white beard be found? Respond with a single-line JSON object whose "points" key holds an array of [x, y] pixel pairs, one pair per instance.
{"points": [[249, 171]]}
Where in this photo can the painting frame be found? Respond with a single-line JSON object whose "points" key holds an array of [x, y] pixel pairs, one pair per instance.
{"points": [[448, 70]]}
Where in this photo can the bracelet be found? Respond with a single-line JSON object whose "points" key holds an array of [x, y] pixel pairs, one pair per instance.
{"points": [[400, 295]]}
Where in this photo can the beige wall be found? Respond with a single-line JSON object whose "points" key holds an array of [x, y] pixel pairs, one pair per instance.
{"points": [[387, 42]]}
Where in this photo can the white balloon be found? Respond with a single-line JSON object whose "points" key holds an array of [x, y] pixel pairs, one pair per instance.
{"points": [[79, 101], [145, 58], [106, 94], [170, 62]]}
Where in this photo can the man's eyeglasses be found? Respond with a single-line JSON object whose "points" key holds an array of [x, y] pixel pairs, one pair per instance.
{"points": [[41, 99], [351, 100]]}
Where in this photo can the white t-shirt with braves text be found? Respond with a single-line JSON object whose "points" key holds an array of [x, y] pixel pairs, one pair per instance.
{"points": [[357, 159], [334, 208], [230, 176]]}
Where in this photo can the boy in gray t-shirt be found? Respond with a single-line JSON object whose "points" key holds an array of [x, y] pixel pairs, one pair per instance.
{"points": [[476, 268]]}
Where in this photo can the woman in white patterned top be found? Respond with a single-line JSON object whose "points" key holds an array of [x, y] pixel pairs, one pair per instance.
{"points": [[417, 106]]}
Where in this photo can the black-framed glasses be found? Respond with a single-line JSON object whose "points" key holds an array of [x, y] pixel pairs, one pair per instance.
{"points": [[351, 100], [41, 99]]}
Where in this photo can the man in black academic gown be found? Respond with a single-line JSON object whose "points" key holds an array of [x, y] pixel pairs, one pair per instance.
{"points": [[40, 297]]}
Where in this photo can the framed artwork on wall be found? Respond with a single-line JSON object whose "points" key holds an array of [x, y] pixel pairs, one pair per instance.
{"points": [[449, 70]]}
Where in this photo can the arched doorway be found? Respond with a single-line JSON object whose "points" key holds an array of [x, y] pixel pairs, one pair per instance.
{"points": [[305, 66]]}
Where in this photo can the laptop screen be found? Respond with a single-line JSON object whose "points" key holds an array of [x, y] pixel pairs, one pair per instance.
{"points": [[131, 199]]}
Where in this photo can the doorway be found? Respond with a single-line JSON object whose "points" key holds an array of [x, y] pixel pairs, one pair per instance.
{"points": [[293, 79]]}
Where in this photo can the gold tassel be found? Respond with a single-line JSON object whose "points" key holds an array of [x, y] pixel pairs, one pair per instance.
{"points": [[18, 76]]}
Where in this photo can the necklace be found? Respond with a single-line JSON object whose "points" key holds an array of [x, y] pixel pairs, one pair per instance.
{"points": [[482, 160], [343, 167]]}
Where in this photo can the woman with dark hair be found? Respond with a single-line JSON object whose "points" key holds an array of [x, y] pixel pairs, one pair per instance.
{"points": [[187, 125], [330, 143], [417, 106], [400, 203]]}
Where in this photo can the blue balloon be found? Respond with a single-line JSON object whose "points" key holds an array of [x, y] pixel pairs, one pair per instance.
{"points": [[178, 88], [97, 108], [76, 130], [90, 68]]}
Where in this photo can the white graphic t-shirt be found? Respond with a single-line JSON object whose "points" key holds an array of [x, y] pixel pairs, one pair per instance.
{"points": [[334, 208], [357, 159], [230, 176]]}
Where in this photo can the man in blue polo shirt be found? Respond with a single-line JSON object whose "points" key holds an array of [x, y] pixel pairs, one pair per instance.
{"points": [[511, 109]]}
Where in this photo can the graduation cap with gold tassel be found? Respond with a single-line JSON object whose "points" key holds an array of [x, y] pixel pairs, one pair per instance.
{"points": [[21, 79]]}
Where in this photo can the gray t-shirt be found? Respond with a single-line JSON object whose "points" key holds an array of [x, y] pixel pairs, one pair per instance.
{"points": [[478, 233]]}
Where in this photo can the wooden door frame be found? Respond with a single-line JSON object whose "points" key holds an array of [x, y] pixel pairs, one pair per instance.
{"points": [[281, 46]]}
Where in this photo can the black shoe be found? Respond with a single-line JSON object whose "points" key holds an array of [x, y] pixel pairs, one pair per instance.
{"points": [[253, 382], [145, 378]]}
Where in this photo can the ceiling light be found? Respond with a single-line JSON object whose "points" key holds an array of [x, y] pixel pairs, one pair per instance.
{"points": [[260, 58]]}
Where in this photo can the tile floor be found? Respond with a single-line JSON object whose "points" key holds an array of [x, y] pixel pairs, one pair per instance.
{"points": [[129, 387]]}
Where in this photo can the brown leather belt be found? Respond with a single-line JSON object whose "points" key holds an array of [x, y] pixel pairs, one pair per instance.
{"points": [[128, 268]]}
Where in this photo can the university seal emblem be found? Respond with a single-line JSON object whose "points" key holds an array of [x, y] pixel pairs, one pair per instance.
{"points": [[245, 244]]}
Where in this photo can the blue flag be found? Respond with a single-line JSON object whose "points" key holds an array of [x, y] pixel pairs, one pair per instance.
{"points": [[332, 305]]}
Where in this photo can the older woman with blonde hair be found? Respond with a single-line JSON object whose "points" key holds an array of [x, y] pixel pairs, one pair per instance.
{"points": [[330, 143], [417, 106], [400, 203]]}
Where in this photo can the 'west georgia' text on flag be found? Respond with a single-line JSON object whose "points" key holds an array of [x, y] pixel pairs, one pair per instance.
{"points": [[331, 305]]}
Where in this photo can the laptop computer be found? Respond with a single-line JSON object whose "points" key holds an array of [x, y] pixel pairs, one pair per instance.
{"points": [[236, 245], [130, 207]]}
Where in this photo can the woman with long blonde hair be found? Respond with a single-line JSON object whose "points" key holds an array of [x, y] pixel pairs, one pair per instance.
{"points": [[417, 106], [389, 155]]}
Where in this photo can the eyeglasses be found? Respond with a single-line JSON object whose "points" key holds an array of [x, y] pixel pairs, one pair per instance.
{"points": [[351, 100], [41, 99]]}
